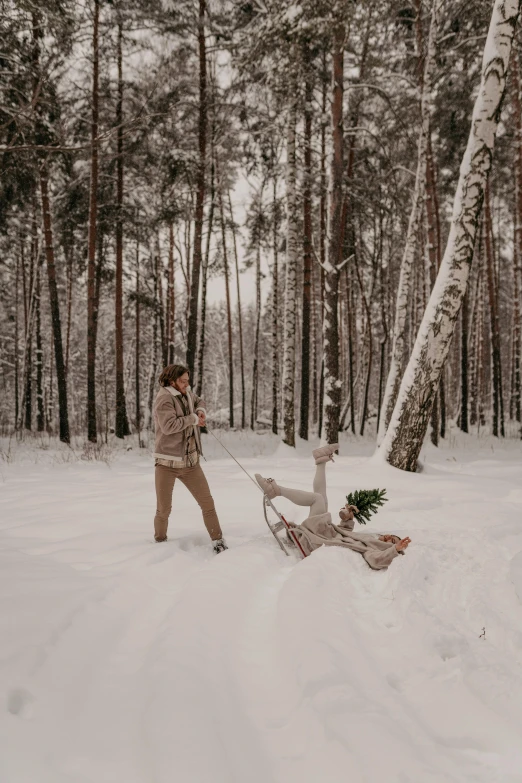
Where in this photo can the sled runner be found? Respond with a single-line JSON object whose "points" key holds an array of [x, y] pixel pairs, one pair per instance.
{"points": [[280, 525]]}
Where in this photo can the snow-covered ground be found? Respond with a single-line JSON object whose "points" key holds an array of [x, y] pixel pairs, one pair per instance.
{"points": [[126, 661]]}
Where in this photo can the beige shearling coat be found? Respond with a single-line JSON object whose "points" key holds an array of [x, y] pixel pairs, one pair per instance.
{"points": [[319, 530], [172, 426]]}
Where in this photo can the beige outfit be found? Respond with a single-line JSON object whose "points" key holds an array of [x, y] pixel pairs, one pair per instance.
{"points": [[319, 530], [177, 451], [176, 422], [196, 482]]}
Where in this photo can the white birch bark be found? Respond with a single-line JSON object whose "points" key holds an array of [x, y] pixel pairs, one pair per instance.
{"points": [[290, 300], [403, 441], [332, 381], [398, 352]]}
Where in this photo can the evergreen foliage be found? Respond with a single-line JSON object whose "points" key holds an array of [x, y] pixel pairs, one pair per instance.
{"points": [[367, 502]]}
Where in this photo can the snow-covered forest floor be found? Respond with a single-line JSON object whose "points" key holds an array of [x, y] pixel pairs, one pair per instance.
{"points": [[126, 660]]}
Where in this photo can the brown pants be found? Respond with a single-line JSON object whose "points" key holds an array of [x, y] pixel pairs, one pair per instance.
{"points": [[195, 481]]}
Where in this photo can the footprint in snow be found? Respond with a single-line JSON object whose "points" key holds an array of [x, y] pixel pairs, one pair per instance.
{"points": [[19, 702]]}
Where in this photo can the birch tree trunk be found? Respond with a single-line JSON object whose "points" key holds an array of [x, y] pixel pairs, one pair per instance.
{"points": [[290, 302], [200, 196], [405, 435], [398, 352], [332, 382]]}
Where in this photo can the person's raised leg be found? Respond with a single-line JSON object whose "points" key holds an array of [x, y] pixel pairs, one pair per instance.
{"points": [[196, 482], [164, 480], [320, 482], [314, 500]]}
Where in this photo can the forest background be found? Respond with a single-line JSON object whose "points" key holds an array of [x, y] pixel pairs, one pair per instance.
{"points": [[300, 159]]}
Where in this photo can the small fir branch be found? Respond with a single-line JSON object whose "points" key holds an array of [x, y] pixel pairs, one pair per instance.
{"points": [[367, 502]]}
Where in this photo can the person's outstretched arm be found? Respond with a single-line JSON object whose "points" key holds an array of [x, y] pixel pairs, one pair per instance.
{"points": [[380, 558]]}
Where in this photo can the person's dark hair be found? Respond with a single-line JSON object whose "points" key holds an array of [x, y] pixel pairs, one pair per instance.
{"points": [[171, 373]]}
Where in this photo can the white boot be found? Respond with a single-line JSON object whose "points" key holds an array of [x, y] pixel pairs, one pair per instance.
{"points": [[325, 453], [269, 486]]}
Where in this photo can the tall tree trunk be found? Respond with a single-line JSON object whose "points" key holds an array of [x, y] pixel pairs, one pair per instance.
{"points": [[154, 352], [137, 345], [239, 316], [307, 252], [319, 370], [384, 335], [290, 304], [69, 259], [55, 308], [398, 353], [332, 382], [91, 249], [40, 416], [255, 372], [121, 428], [17, 338], [171, 300], [368, 337], [517, 259], [405, 435], [464, 403], [200, 195], [29, 321], [229, 314], [498, 407], [275, 310], [475, 326], [433, 257], [202, 333], [161, 304]]}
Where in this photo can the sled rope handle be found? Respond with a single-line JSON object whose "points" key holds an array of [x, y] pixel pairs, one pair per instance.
{"points": [[236, 461], [288, 528]]}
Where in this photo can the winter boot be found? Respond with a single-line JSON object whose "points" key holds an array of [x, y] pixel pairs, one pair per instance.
{"points": [[324, 453], [219, 545], [268, 486]]}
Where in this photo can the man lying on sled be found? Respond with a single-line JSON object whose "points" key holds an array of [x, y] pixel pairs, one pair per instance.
{"points": [[318, 529]]}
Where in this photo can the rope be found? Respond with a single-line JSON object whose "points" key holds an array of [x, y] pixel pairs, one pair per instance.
{"points": [[235, 460], [287, 526]]}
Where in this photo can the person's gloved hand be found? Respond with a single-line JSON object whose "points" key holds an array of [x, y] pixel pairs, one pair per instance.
{"points": [[347, 512]]}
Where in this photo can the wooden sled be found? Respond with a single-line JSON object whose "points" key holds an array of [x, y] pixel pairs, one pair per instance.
{"points": [[280, 525]]}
